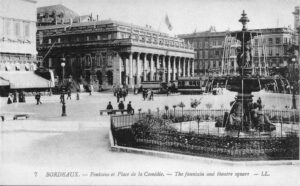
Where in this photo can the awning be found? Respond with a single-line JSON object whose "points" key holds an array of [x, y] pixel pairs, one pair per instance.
{"points": [[25, 79], [3, 82]]}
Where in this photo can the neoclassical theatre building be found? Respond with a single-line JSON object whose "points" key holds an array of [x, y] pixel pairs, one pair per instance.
{"points": [[110, 53]]}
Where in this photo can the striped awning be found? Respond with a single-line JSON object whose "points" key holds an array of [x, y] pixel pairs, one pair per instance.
{"points": [[25, 79]]}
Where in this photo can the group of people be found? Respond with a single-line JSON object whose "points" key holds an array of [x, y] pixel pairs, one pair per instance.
{"points": [[16, 97], [148, 94], [121, 107], [121, 93]]}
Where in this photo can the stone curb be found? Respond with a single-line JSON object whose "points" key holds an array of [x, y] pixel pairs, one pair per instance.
{"points": [[202, 159]]}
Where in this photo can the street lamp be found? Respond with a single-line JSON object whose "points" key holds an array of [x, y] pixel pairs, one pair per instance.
{"points": [[63, 64], [294, 84]]}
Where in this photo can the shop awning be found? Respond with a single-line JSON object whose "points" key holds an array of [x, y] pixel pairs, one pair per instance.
{"points": [[3, 82], [25, 79]]}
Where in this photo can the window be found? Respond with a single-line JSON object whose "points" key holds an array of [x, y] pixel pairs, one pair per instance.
{"points": [[206, 44], [255, 41], [200, 56], [270, 41], [199, 44], [58, 40], [277, 40], [285, 50], [206, 54], [27, 29], [285, 40], [98, 37], [49, 41], [256, 52], [87, 38], [17, 29], [270, 51], [7, 27], [217, 53]]}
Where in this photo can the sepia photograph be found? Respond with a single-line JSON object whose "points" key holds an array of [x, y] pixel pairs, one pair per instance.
{"points": [[149, 92]]}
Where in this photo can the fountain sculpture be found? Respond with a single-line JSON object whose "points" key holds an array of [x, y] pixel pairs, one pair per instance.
{"points": [[244, 114]]}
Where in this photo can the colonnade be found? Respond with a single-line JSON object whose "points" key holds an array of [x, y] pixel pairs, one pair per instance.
{"points": [[137, 67]]}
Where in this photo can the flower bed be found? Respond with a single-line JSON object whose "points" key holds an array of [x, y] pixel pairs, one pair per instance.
{"points": [[159, 134]]}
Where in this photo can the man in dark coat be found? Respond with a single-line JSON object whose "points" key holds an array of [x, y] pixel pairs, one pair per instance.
{"points": [[118, 96], [38, 98], [130, 110], [109, 107], [121, 106]]}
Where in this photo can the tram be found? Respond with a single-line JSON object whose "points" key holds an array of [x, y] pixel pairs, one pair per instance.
{"points": [[190, 85]]}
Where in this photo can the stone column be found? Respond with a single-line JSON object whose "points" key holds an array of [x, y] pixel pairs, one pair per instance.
{"points": [[193, 67], [145, 67], [169, 68], [126, 67], [174, 66], [184, 59], [118, 70], [138, 77], [130, 83], [164, 69], [179, 67], [151, 68], [188, 67]]}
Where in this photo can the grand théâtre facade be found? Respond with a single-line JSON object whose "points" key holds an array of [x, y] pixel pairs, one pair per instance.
{"points": [[114, 53]]}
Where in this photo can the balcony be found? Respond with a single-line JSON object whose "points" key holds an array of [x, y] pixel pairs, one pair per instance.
{"points": [[120, 42]]}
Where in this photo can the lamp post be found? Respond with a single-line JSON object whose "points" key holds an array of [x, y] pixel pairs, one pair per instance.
{"points": [[294, 84], [63, 64]]}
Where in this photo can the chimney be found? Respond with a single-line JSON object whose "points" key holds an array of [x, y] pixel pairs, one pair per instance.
{"points": [[97, 17]]}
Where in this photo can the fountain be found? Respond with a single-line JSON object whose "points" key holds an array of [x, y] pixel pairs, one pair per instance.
{"points": [[244, 114]]}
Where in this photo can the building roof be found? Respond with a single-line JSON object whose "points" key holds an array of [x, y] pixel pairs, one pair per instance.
{"points": [[105, 22], [68, 13], [223, 33]]}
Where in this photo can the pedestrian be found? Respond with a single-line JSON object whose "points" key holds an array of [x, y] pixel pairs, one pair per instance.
{"points": [[109, 107], [77, 95], [121, 107], [259, 104], [168, 91], [9, 99], [15, 97], [124, 94], [69, 94], [38, 98], [61, 97], [148, 94], [114, 90], [144, 94], [20, 97], [130, 110], [90, 89], [118, 96], [151, 95]]}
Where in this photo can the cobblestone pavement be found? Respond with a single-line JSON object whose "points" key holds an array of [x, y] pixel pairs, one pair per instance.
{"points": [[47, 142]]}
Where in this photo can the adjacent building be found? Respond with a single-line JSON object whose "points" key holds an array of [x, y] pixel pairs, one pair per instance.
{"points": [[109, 52], [18, 46], [216, 51]]}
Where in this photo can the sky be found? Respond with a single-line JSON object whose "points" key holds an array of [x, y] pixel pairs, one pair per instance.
{"points": [[187, 16]]}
